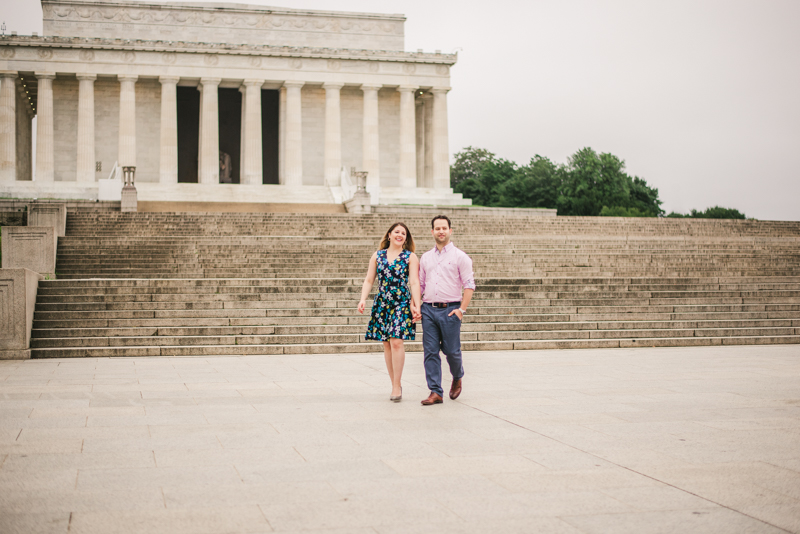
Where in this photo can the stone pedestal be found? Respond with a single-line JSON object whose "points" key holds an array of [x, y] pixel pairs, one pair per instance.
{"points": [[129, 200], [30, 247], [54, 215], [360, 203], [18, 289]]}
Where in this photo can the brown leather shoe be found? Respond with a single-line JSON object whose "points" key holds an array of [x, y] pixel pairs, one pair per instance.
{"points": [[432, 399], [455, 389]]}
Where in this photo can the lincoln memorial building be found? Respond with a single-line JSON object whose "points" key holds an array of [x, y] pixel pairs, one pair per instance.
{"points": [[222, 103]]}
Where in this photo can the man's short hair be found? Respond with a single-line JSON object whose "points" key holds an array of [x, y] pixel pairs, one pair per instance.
{"points": [[442, 217]]}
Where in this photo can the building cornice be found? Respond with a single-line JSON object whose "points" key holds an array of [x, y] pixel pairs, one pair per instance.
{"points": [[226, 49]]}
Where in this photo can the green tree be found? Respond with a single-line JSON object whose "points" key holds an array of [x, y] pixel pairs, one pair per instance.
{"points": [[536, 185], [619, 211], [484, 189], [592, 181], [468, 165], [717, 212]]}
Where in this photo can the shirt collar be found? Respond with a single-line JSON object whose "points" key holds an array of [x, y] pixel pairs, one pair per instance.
{"points": [[447, 248]]}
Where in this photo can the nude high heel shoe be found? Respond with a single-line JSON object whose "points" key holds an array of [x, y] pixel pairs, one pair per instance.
{"points": [[398, 398]]}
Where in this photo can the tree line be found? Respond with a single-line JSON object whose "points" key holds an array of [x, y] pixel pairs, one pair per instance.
{"points": [[588, 184]]}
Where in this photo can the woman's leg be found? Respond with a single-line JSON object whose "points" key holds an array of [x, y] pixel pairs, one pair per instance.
{"points": [[387, 355], [398, 361]]}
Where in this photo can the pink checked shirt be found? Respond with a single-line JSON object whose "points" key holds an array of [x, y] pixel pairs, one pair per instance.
{"points": [[443, 274]]}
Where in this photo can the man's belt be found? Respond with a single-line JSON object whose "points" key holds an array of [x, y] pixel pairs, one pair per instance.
{"points": [[444, 304]]}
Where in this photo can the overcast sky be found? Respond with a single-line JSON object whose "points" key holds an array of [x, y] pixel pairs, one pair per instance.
{"points": [[701, 98]]}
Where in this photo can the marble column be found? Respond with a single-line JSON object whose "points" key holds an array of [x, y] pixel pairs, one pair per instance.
{"points": [[252, 164], [371, 161], [420, 130], [8, 126], [127, 120], [86, 162], [333, 134], [168, 164], [208, 168], [427, 100], [441, 150], [45, 166], [294, 134], [408, 142], [242, 133], [282, 136]]}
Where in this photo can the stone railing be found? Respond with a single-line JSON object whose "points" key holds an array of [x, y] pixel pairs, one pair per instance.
{"points": [[28, 255]]}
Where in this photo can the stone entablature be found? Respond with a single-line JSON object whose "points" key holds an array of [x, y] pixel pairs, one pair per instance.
{"points": [[156, 58], [239, 23]]}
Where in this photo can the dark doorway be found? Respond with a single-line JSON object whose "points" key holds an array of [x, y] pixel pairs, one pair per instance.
{"points": [[188, 104], [230, 131], [270, 103]]}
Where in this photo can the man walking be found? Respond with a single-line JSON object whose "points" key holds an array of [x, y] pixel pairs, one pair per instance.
{"points": [[443, 272]]}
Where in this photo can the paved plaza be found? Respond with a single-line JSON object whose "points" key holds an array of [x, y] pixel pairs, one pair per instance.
{"points": [[688, 440]]}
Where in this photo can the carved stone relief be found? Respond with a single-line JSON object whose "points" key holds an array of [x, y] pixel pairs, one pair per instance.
{"points": [[129, 56], [211, 59], [7, 53], [86, 55], [334, 64], [45, 53], [169, 57], [409, 68], [442, 69]]}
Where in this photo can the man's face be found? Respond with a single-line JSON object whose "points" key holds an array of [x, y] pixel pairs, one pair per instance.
{"points": [[441, 232]]}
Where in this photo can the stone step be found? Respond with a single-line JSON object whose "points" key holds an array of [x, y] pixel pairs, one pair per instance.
{"points": [[191, 329], [493, 321], [414, 346]]}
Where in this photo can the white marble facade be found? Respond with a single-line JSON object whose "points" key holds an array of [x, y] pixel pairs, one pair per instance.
{"points": [[103, 79]]}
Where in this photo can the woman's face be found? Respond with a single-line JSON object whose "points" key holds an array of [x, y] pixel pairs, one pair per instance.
{"points": [[398, 235]]}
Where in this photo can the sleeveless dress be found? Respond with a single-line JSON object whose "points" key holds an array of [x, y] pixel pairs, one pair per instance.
{"points": [[391, 309]]}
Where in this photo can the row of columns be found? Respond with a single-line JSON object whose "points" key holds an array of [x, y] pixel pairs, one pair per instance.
{"points": [[421, 132]]}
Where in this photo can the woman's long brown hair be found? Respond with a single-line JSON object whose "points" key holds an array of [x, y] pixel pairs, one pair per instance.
{"points": [[407, 245]]}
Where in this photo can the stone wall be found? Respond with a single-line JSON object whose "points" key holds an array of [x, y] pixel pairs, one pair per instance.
{"points": [[237, 24], [106, 124], [313, 98], [389, 136], [148, 130], [352, 105], [65, 126]]}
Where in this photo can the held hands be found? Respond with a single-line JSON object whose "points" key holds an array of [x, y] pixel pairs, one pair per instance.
{"points": [[416, 315], [361, 305]]}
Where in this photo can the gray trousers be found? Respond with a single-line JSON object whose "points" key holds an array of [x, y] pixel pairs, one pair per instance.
{"points": [[441, 333]]}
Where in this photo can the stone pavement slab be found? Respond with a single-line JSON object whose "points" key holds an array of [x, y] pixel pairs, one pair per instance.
{"points": [[696, 439]]}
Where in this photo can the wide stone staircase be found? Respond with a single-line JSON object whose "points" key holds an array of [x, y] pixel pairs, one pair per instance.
{"points": [[169, 284]]}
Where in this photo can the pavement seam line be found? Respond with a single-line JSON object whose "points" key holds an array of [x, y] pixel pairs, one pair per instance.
{"points": [[624, 467]]}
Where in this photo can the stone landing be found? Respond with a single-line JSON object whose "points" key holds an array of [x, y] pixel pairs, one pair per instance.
{"points": [[696, 440]]}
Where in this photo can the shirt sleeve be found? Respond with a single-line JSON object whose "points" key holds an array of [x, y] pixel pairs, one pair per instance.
{"points": [[467, 277], [421, 275]]}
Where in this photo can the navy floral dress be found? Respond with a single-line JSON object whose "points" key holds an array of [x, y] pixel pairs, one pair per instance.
{"points": [[391, 309]]}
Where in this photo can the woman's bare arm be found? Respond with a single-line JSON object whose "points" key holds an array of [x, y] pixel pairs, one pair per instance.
{"points": [[368, 281]]}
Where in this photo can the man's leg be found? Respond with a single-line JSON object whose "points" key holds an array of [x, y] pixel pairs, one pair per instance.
{"points": [[431, 341], [451, 343]]}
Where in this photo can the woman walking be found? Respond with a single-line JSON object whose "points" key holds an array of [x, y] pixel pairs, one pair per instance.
{"points": [[396, 306]]}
